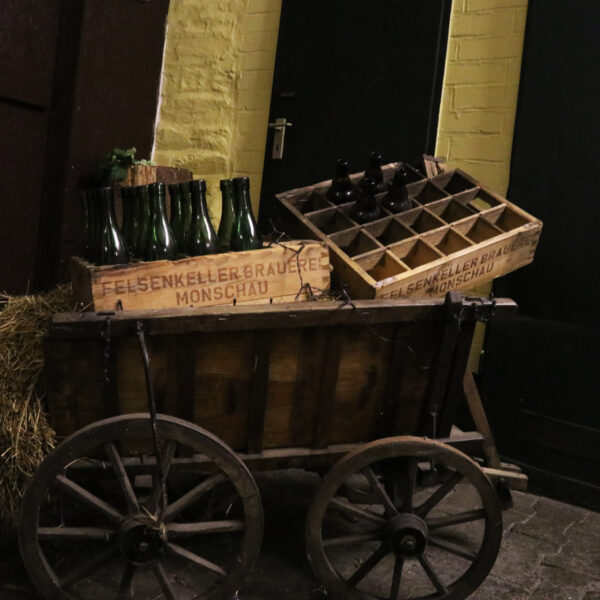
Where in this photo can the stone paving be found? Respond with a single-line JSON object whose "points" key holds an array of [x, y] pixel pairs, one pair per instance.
{"points": [[550, 550]]}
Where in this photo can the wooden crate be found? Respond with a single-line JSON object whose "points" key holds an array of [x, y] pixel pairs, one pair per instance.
{"points": [[144, 174], [458, 234], [273, 274]]}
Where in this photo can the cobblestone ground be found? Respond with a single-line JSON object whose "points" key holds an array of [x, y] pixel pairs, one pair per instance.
{"points": [[550, 550]]}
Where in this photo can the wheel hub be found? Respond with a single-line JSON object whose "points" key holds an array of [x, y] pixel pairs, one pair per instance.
{"points": [[142, 540], [407, 535]]}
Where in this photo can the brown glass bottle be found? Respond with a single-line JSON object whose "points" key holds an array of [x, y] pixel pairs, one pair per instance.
{"points": [[365, 208], [397, 200], [374, 172], [341, 190]]}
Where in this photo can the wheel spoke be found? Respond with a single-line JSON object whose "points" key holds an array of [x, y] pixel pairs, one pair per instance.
{"points": [[428, 568], [352, 539], [466, 517], [369, 564], [88, 567], [156, 493], [397, 578], [126, 585], [378, 488], [197, 560], [122, 477], [185, 529], [88, 498], [344, 506], [456, 550], [408, 485], [74, 533], [438, 495], [165, 586], [190, 497]]}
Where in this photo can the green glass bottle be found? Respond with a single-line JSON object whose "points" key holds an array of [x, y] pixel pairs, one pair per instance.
{"points": [[111, 249], [203, 239], [180, 218], [244, 235], [159, 242], [185, 194], [127, 225], [227, 213], [88, 224], [141, 220]]}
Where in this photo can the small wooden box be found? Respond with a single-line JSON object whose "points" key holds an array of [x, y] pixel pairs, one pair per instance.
{"points": [[273, 274], [457, 234], [145, 174]]}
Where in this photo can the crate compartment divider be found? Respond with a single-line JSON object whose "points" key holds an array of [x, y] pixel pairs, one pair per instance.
{"points": [[458, 234]]}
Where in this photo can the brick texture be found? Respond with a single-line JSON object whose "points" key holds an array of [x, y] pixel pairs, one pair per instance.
{"points": [[217, 78], [216, 85], [479, 98], [481, 82]]}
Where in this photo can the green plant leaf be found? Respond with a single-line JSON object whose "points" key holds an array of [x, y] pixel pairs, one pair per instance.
{"points": [[118, 173]]}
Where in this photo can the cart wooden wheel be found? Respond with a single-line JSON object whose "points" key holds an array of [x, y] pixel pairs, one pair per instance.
{"points": [[94, 524], [375, 529]]}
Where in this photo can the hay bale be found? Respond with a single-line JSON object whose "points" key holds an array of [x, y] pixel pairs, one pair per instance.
{"points": [[25, 434]]}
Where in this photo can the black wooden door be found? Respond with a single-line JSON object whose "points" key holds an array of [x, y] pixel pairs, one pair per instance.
{"points": [[352, 77], [541, 372], [28, 38]]}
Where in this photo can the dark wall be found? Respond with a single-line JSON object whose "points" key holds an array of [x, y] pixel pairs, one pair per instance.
{"points": [[555, 160], [541, 370], [77, 78]]}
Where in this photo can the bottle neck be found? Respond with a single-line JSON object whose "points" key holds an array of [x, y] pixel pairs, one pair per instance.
{"points": [[107, 209], [157, 203], [342, 180], [228, 195], [242, 200], [143, 200], [175, 201], [199, 208]]}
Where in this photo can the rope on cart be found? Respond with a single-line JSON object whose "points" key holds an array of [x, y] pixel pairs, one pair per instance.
{"points": [[152, 406]]}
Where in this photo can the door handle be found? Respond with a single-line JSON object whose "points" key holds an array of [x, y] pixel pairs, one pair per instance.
{"points": [[279, 127]]}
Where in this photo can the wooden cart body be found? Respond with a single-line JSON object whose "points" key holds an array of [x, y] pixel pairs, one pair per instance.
{"points": [[280, 384]]}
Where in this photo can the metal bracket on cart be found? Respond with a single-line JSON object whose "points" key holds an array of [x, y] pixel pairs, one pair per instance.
{"points": [[484, 307]]}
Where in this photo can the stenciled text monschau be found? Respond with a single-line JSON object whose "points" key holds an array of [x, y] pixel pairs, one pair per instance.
{"points": [[193, 286]]}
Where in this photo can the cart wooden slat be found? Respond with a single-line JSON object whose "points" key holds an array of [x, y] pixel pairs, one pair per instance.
{"points": [[275, 376]]}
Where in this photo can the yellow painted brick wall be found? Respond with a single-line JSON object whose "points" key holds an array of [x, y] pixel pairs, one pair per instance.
{"points": [[257, 51], [479, 98], [481, 83], [216, 85]]}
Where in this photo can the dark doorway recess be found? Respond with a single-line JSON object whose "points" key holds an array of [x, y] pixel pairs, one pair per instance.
{"points": [[73, 85], [540, 377], [352, 77]]}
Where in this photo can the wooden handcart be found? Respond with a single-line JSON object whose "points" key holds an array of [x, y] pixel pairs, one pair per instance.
{"points": [[167, 415]]}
